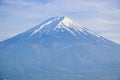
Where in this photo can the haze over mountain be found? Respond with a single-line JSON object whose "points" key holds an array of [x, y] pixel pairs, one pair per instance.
{"points": [[59, 49]]}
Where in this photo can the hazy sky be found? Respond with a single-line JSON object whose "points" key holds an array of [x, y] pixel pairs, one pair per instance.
{"points": [[100, 16]]}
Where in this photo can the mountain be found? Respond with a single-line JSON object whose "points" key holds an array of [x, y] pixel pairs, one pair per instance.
{"points": [[59, 49]]}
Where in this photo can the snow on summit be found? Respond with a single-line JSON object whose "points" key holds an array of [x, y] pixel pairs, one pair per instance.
{"points": [[61, 24]]}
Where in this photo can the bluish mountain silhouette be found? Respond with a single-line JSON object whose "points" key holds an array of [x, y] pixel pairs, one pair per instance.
{"points": [[59, 49]]}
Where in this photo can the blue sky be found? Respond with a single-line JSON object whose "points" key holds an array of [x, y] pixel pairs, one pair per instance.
{"points": [[100, 16]]}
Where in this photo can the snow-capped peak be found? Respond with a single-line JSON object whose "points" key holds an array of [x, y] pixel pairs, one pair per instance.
{"points": [[61, 24], [58, 23]]}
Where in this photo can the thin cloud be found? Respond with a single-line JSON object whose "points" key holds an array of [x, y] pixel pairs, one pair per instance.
{"points": [[104, 21]]}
